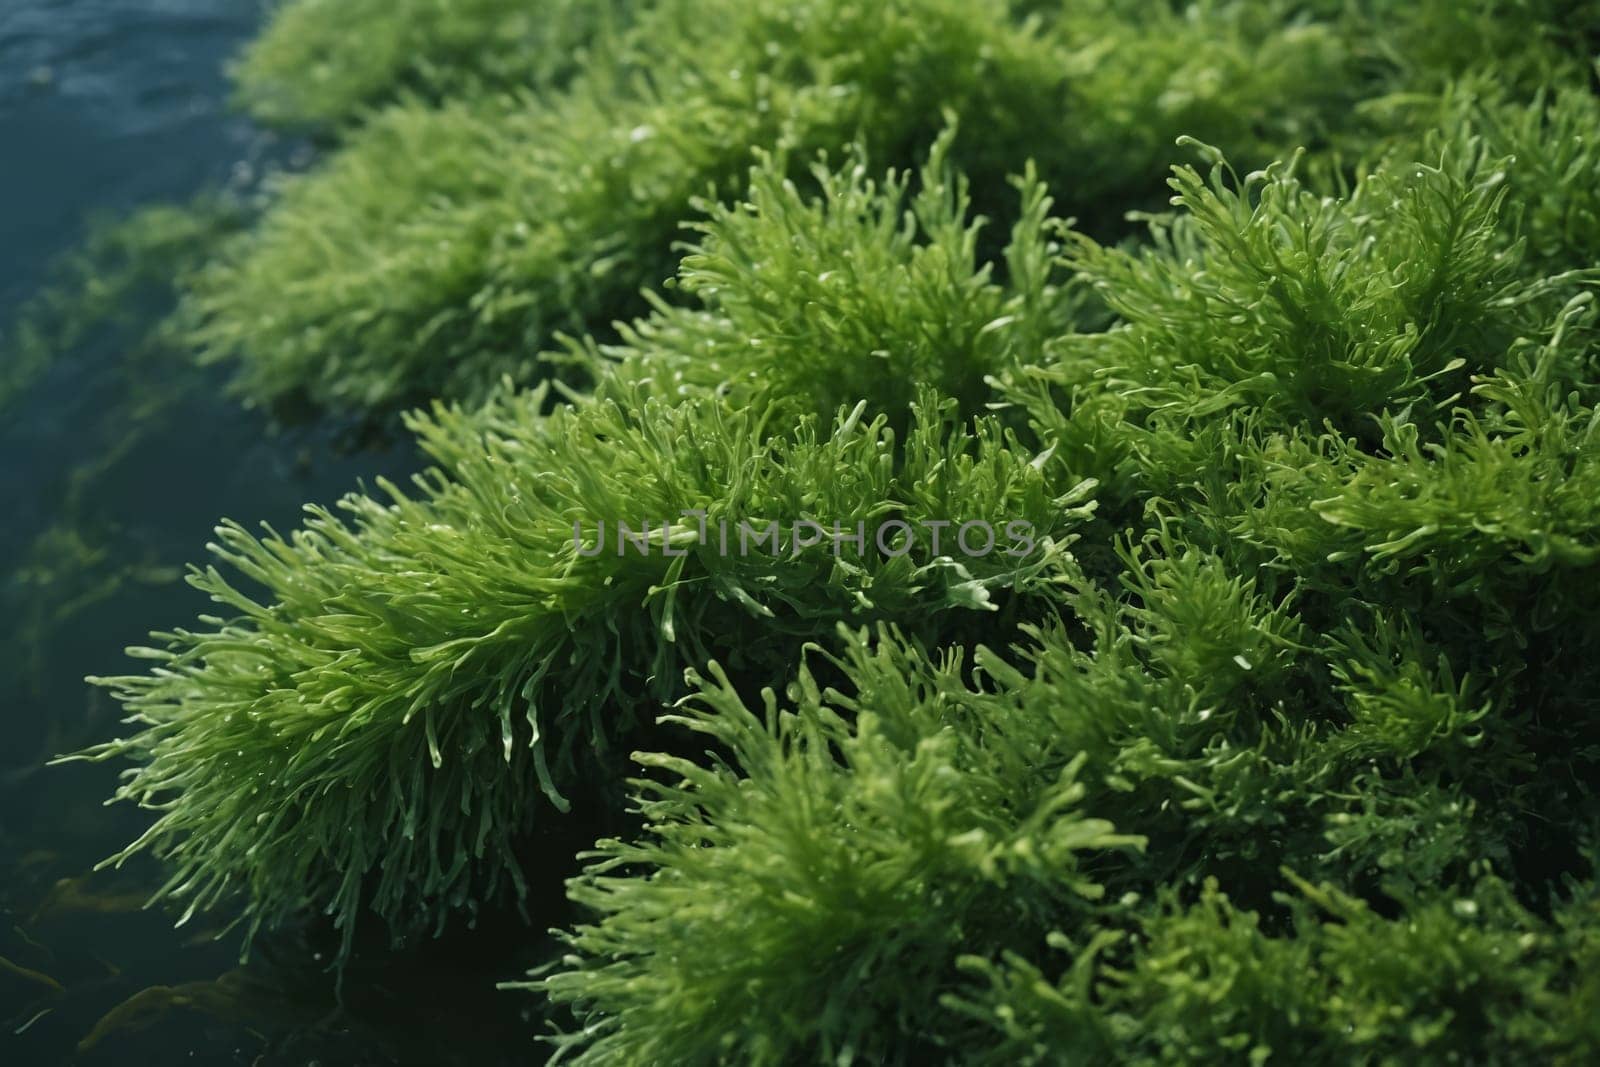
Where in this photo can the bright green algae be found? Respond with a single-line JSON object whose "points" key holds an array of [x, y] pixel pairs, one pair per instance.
{"points": [[465, 224], [445, 245], [324, 65], [1282, 746]]}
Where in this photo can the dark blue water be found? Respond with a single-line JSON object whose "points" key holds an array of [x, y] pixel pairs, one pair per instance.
{"points": [[114, 467]]}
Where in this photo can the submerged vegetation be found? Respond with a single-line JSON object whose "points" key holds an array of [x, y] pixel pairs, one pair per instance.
{"points": [[1280, 740]]}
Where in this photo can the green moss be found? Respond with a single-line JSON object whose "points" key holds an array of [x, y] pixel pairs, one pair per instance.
{"points": [[1285, 308], [1341, 639], [474, 644], [329, 62], [1282, 746], [1527, 44], [918, 866], [810, 303], [445, 247], [449, 242], [1473, 977], [849, 904]]}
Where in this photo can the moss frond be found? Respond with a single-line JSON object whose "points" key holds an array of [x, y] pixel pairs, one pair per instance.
{"points": [[860, 292], [472, 649]]}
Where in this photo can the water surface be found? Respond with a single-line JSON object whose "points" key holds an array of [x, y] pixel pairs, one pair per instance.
{"points": [[114, 467]]}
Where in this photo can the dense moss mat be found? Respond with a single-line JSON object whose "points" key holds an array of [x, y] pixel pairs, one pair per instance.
{"points": [[420, 656], [1278, 740], [452, 238], [324, 65], [1303, 765]]}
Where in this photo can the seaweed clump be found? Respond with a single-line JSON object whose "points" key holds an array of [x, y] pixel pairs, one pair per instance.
{"points": [[1297, 764], [445, 245], [1280, 739]]}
